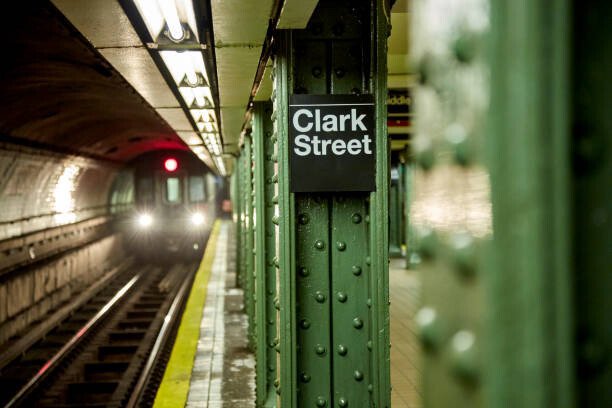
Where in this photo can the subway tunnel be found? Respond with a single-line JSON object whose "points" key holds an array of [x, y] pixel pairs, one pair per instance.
{"points": [[314, 203]]}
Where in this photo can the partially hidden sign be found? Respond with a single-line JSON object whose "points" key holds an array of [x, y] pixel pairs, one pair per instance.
{"points": [[332, 143]]}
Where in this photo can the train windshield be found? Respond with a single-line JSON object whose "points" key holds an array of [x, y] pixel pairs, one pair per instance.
{"points": [[173, 190], [145, 191], [196, 189]]}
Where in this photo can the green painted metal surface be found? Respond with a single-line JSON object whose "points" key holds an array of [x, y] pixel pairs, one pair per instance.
{"points": [[265, 270], [592, 200], [490, 203], [332, 248]]}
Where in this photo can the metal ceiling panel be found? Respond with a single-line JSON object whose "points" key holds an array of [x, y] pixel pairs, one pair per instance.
{"points": [[176, 119], [265, 86], [240, 21], [138, 68], [232, 119], [236, 70], [296, 13], [191, 138], [102, 22]]}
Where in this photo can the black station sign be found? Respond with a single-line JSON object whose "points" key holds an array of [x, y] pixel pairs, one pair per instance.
{"points": [[332, 143]]}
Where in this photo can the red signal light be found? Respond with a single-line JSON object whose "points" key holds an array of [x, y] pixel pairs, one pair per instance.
{"points": [[170, 164]]}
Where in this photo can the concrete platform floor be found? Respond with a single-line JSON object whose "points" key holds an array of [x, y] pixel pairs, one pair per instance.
{"points": [[405, 349]]}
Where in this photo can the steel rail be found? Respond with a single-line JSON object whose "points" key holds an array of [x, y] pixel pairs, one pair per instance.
{"points": [[162, 337], [63, 352]]}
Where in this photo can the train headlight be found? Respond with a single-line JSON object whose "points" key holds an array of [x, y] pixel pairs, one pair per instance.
{"points": [[145, 220], [197, 219]]}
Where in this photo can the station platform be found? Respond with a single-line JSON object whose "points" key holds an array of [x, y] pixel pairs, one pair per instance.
{"points": [[211, 365]]}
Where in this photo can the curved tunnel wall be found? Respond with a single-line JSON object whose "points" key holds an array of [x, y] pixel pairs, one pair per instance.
{"points": [[41, 189]]}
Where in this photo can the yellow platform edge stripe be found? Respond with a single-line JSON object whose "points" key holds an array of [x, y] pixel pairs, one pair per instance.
{"points": [[174, 386]]}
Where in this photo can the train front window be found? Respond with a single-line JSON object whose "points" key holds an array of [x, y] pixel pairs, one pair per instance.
{"points": [[173, 190], [145, 191], [196, 189]]}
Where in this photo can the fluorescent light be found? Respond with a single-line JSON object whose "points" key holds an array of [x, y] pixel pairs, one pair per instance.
{"points": [[184, 65], [175, 28], [220, 164], [203, 115], [152, 16]]}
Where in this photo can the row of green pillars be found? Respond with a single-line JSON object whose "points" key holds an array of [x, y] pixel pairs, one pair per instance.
{"points": [[314, 266]]}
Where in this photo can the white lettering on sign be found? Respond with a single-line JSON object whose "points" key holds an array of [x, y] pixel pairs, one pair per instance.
{"points": [[306, 145], [305, 120], [330, 123]]}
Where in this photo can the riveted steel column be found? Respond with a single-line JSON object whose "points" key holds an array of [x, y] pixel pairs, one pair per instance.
{"points": [[592, 200], [490, 203], [249, 267], [265, 270], [333, 280]]}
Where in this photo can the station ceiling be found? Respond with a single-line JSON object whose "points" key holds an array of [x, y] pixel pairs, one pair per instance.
{"points": [[77, 76]]}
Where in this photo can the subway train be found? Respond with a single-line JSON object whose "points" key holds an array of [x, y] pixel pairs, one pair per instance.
{"points": [[175, 203]]}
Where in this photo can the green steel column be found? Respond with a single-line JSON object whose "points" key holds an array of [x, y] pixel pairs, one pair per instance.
{"points": [[249, 245], [395, 215], [332, 248], [491, 203], [265, 271], [592, 200]]}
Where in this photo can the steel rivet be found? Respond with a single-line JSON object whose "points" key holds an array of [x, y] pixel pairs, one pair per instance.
{"points": [[275, 261], [457, 137], [340, 72], [276, 383], [369, 344], [356, 270], [427, 242], [357, 323], [320, 297], [466, 47], [429, 328], [368, 260], [304, 272], [369, 302], [463, 356], [276, 304], [305, 377], [270, 322], [340, 245], [319, 244], [271, 369], [356, 218], [370, 388], [342, 350], [356, 91], [464, 253], [317, 72], [304, 324], [343, 402], [320, 350], [367, 218], [341, 296], [321, 402], [358, 375], [303, 219], [425, 154]]}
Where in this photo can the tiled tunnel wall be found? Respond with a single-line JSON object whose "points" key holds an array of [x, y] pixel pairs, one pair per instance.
{"points": [[40, 190]]}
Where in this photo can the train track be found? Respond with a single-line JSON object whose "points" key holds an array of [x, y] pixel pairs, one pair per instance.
{"points": [[110, 352]]}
